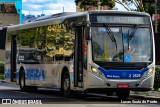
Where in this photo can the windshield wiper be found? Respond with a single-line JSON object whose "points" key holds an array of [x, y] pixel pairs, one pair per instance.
{"points": [[111, 34], [133, 32]]}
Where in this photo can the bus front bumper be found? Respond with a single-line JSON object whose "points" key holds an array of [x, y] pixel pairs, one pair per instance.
{"points": [[101, 82]]}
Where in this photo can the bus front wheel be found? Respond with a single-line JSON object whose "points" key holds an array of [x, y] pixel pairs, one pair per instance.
{"points": [[66, 85], [123, 94]]}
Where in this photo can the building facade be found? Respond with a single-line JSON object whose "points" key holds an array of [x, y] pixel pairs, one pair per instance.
{"points": [[10, 12]]}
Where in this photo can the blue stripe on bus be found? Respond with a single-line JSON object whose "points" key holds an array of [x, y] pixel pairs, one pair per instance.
{"points": [[123, 74], [31, 74], [35, 74]]}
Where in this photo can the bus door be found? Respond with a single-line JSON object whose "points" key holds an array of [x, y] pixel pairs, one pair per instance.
{"points": [[79, 57], [13, 57]]}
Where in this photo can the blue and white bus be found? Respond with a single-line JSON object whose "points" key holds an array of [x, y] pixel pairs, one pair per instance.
{"points": [[94, 51]]}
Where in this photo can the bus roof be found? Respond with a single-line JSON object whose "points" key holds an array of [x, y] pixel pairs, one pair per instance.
{"points": [[118, 12], [48, 20], [55, 16]]}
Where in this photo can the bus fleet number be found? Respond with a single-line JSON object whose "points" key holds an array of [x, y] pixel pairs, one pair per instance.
{"points": [[136, 75]]}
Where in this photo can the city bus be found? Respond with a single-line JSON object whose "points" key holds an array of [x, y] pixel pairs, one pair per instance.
{"points": [[96, 51]]}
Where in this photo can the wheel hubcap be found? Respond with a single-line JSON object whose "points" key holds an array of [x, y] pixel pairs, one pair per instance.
{"points": [[22, 83], [66, 84]]}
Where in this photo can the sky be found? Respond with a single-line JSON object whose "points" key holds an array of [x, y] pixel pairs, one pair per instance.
{"points": [[37, 7]]}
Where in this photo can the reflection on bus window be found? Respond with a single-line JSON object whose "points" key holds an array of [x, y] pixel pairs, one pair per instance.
{"points": [[27, 55], [8, 54]]}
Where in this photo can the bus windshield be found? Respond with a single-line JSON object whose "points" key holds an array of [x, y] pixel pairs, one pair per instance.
{"points": [[133, 44]]}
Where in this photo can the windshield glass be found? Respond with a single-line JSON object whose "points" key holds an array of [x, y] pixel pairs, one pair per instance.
{"points": [[132, 44]]}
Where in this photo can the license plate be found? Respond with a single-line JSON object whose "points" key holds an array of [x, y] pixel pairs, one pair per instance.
{"points": [[123, 85]]}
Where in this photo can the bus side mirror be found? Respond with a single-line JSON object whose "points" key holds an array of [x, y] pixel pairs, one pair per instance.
{"points": [[87, 33]]}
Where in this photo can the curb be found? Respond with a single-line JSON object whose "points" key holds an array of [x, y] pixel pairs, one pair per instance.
{"points": [[146, 97], [3, 81]]}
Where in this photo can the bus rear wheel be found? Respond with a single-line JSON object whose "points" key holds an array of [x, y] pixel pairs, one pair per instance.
{"points": [[23, 87], [123, 94]]}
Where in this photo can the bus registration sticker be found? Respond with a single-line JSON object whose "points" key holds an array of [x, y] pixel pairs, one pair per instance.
{"points": [[127, 58]]}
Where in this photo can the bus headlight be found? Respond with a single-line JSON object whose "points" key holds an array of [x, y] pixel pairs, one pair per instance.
{"points": [[149, 72], [95, 71]]}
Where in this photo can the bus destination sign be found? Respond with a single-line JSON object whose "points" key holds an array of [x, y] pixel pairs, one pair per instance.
{"points": [[120, 19]]}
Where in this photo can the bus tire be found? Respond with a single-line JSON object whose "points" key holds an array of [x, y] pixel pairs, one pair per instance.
{"points": [[23, 87], [109, 93], [67, 92], [123, 94], [32, 88]]}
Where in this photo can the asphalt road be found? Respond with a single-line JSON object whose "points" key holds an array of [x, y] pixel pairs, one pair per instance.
{"points": [[12, 92]]}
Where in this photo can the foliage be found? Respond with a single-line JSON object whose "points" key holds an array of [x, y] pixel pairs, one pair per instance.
{"points": [[105, 2], [140, 5], [157, 78], [1, 68], [128, 4], [85, 4], [77, 1], [110, 3], [149, 8], [1, 76]]}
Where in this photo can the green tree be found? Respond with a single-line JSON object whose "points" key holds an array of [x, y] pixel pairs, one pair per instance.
{"points": [[110, 3], [128, 4], [141, 5], [85, 4]]}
